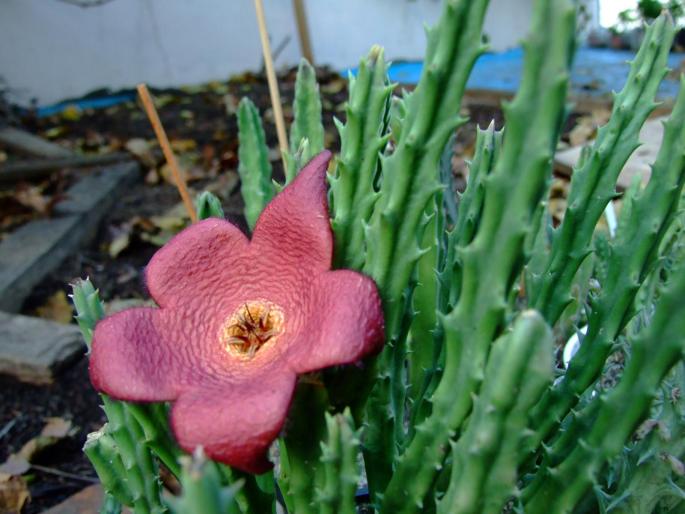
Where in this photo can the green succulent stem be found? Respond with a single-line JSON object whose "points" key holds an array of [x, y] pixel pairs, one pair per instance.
{"points": [[103, 453], [593, 183], [484, 459], [208, 205], [632, 256], [254, 167], [363, 138], [307, 126], [340, 468], [653, 352], [492, 260], [203, 491], [301, 466], [409, 182]]}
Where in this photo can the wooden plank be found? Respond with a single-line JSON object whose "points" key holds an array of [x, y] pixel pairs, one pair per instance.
{"points": [[34, 250], [33, 169], [33, 350], [26, 143]]}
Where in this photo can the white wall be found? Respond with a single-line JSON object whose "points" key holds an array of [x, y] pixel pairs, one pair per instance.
{"points": [[51, 50]]}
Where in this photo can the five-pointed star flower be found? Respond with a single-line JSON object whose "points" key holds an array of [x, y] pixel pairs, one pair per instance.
{"points": [[238, 320]]}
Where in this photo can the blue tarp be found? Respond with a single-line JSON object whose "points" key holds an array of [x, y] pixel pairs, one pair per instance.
{"points": [[596, 72]]}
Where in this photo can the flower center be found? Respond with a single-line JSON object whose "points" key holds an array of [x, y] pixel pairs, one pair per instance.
{"points": [[251, 326]]}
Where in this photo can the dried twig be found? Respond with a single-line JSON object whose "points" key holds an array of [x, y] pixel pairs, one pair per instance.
{"points": [[64, 474], [149, 107], [271, 78]]}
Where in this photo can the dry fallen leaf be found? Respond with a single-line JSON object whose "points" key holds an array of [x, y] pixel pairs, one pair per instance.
{"points": [[32, 197], [142, 149], [120, 241], [18, 463], [183, 145], [13, 494], [58, 428], [57, 308]]}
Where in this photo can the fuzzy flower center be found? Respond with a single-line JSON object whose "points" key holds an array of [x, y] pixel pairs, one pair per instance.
{"points": [[252, 325]]}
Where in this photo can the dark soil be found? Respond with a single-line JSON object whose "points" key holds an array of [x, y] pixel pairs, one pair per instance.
{"points": [[198, 115]]}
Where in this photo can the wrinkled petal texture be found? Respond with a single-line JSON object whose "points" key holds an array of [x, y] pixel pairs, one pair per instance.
{"points": [[136, 355], [293, 232], [344, 322], [237, 422], [188, 268]]}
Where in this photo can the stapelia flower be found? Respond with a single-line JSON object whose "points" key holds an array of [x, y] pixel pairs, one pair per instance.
{"points": [[237, 321]]}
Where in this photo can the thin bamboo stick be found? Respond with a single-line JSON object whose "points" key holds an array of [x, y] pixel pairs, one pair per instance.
{"points": [[271, 78], [152, 115], [303, 30]]}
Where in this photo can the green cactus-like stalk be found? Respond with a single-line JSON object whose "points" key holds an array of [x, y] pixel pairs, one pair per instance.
{"points": [[153, 419], [593, 183], [651, 470], [203, 491], [427, 357], [142, 474], [363, 137], [208, 205], [254, 167], [484, 459], [493, 260], [103, 453], [307, 124], [425, 332], [110, 505], [409, 182], [300, 451], [653, 352], [487, 151], [140, 469], [632, 256], [89, 308], [340, 468]]}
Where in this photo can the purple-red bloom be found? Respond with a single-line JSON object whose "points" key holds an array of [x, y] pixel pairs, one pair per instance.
{"points": [[237, 321]]}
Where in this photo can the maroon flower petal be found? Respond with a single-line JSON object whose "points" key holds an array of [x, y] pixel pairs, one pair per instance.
{"points": [[137, 356], [293, 231], [345, 322], [235, 424], [187, 267]]}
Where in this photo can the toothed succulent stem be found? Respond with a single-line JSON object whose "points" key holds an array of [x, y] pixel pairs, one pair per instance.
{"points": [[110, 505], [301, 467], [307, 124], [492, 261], [487, 151], [363, 138], [154, 421], [632, 256], [340, 468], [203, 492], [409, 182], [469, 209], [593, 183], [208, 206], [484, 459], [254, 167], [652, 467], [141, 473], [653, 352], [103, 454]]}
